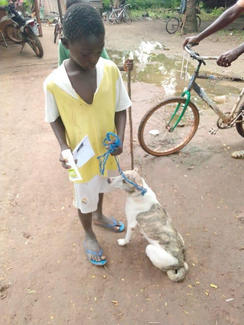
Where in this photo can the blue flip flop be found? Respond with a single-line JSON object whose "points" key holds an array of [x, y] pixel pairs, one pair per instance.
{"points": [[100, 253], [112, 225]]}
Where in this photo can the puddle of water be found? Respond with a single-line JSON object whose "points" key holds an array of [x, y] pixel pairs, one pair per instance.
{"points": [[153, 66]]}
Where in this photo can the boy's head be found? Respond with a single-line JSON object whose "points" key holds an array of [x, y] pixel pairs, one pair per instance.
{"points": [[83, 34]]}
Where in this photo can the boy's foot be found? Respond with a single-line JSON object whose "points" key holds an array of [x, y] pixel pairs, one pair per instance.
{"points": [[108, 223], [238, 154], [94, 252]]}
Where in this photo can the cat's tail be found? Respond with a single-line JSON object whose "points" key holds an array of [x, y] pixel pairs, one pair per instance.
{"points": [[178, 275]]}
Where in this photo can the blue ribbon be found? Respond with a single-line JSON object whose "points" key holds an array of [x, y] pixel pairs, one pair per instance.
{"points": [[111, 143]]}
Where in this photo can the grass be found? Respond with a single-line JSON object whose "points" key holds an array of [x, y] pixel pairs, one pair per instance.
{"points": [[163, 13]]}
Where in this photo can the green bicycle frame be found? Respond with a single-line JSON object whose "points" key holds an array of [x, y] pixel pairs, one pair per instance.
{"points": [[188, 98]]}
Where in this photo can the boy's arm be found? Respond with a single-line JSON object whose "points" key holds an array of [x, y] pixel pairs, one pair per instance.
{"points": [[122, 103], [59, 131], [52, 117], [120, 122], [225, 19]]}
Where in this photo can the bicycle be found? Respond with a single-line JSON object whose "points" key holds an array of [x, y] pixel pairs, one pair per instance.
{"points": [[170, 125], [175, 23], [119, 15]]}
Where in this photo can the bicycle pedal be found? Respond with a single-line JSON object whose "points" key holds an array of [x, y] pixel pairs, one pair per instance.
{"points": [[213, 131]]}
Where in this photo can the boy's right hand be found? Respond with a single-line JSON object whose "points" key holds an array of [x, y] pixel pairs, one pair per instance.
{"points": [[64, 162]]}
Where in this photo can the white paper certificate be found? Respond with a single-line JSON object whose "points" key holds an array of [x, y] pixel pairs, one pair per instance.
{"points": [[83, 152]]}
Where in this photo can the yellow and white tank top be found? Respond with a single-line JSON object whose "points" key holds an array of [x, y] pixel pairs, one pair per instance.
{"points": [[80, 118]]}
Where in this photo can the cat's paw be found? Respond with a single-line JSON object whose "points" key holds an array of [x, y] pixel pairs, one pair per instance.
{"points": [[121, 242]]}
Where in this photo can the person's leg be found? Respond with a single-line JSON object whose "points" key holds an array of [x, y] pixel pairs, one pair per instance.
{"points": [[240, 153], [101, 219], [91, 243]]}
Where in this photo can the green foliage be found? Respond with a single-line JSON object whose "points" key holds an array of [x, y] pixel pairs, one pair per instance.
{"points": [[216, 12], [145, 4], [159, 8]]}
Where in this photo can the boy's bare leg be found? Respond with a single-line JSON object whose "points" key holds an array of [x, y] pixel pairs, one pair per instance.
{"points": [[100, 217], [91, 242]]}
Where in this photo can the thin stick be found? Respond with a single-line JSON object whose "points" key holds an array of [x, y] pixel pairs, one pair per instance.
{"points": [[130, 112], [130, 120]]}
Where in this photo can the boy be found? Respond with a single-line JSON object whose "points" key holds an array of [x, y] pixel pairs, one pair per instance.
{"points": [[86, 96]]}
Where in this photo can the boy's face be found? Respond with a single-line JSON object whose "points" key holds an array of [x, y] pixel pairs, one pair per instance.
{"points": [[86, 52]]}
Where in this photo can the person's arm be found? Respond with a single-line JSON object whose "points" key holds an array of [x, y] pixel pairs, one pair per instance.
{"points": [[225, 19], [227, 58], [52, 116], [123, 102], [59, 131], [120, 122]]}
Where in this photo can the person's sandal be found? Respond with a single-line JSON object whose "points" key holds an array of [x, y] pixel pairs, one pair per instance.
{"points": [[238, 154], [90, 253], [116, 226]]}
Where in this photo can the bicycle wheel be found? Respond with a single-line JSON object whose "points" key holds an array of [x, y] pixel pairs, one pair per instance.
{"points": [[172, 25], [154, 135], [199, 21], [126, 17], [240, 122], [36, 45]]}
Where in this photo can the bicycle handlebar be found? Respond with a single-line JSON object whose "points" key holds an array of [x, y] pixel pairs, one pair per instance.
{"points": [[196, 56]]}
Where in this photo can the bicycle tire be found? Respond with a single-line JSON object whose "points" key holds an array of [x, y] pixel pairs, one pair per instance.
{"points": [[199, 21], [172, 25], [240, 122], [36, 45], [126, 17], [163, 142], [13, 33]]}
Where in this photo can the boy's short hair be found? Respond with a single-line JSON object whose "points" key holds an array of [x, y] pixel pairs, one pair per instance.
{"points": [[72, 2], [82, 20]]}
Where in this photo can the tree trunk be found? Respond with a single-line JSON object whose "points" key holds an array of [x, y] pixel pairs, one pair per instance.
{"points": [[116, 3], [189, 19]]}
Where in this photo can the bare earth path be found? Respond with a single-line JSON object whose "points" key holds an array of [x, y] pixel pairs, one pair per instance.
{"points": [[44, 275]]}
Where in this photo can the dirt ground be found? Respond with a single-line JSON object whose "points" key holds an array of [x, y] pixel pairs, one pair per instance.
{"points": [[45, 277]]}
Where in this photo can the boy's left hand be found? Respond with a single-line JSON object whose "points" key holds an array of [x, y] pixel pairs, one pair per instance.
{"points": [[128, 65], [117, 151]]}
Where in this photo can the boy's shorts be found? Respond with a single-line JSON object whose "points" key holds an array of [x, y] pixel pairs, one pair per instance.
{"points": [[86, 195]]}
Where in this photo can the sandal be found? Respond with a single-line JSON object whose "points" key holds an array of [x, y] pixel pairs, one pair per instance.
{"points": [[112, 226], [94, 253]]}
